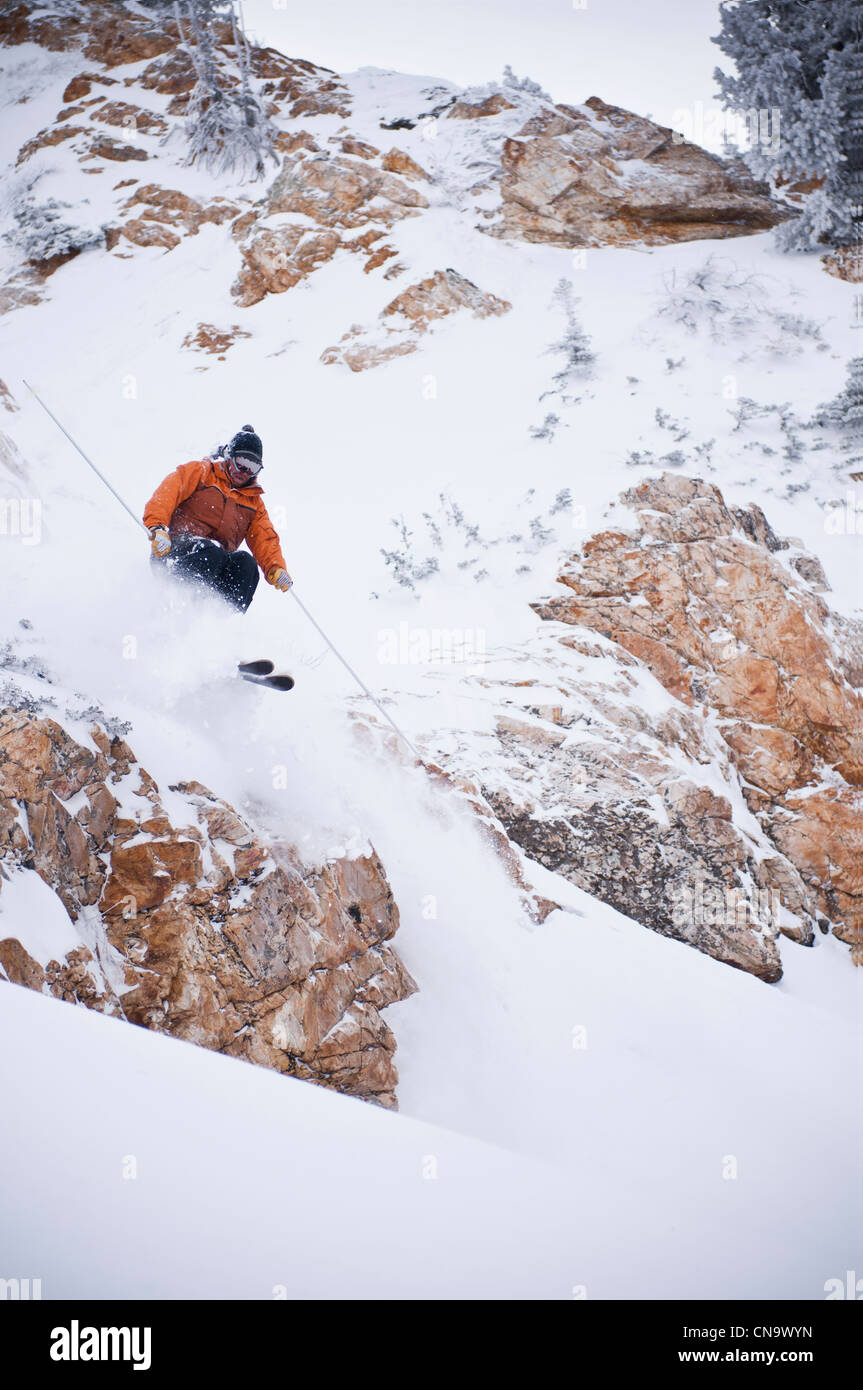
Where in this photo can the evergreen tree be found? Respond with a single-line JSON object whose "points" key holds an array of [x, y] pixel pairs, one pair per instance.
{"points": [[574, 347], [228, 129], [800, 78], [523, 84], [845, 413]]}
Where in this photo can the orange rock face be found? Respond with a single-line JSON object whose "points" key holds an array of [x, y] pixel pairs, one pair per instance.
{"points": [[165, 215], [110, 34], [349, 144], [845, 264], [397, 162], [701, 595], [46, 138], [597, 175], [276, 259], [205, 931], [443, 293], [106, 148], [78, 87], [116, 37], [131, 118], [470, 111], [338, 194], [411, 314], [173, 74], [338, 191], [208, 338]]}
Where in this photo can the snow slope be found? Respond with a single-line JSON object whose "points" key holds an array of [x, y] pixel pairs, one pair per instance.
{"points": [[172, 1172], [608, 1162]]}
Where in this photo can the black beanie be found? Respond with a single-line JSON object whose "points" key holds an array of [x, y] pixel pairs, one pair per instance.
{"points": [[246, 445]]}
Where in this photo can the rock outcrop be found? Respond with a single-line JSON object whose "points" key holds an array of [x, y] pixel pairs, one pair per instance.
{"points": [[209, 338], [409, 316], [517, 166], [596, 776], [339, 194], [846, 264], [731, 620], [683, 736], [107, 33], [192, 924], [596, 175], [163, 216]]}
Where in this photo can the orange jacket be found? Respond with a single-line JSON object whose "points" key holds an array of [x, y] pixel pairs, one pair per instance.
{"points": [[199, 499]]}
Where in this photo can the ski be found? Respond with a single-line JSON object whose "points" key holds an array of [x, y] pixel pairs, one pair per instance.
{"points": [[272, 682], [261, 673], [256, 668]]}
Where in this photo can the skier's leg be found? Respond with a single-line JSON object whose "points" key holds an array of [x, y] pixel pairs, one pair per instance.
{"points": [[239, 579], [197, 559]]}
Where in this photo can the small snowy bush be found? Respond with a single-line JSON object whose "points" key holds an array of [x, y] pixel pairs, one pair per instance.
{"points": [[785, 432], [696, 462], [449, 544], [42, 232], [726, 303], [547, 428], [667, 422]]}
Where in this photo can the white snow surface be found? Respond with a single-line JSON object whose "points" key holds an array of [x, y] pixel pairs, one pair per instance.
{"points": [[32, 912], [585, 1086]]}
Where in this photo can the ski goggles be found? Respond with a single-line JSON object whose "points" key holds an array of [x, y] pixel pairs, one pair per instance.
{"points": [[252, 467]]}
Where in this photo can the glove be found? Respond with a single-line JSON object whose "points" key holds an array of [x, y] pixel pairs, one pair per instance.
{"points": [[160, 542], [280, 579]]}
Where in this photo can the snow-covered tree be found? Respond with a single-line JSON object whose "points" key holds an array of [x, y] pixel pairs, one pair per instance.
{"points": [[229, 131], [576, 360], [523, 84], [845, 412], [42, 232], [799, 79], [574, 347]]}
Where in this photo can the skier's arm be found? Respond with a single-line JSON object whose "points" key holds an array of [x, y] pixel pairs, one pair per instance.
{"points": [[263, 542], [169, 494]]}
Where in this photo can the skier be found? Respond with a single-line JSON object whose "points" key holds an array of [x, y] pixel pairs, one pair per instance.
{"points": [[203, 511]]}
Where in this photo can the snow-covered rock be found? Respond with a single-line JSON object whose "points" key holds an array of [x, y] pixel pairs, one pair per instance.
{"points": [[698, 592], [590, 175], [596, 175], [403, 321], [185, 921]]}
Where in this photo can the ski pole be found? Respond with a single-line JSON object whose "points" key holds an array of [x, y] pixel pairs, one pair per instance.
{"points": [[304, 609], [359, 682], [137, 520]]}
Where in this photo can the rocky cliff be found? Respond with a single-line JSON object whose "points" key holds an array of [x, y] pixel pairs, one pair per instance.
{"points": [[684, 739], [732, 621], [517, 165], [596, 175], [189, 922]]}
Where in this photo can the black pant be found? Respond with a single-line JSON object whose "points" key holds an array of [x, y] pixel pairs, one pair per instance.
{"points": [[233, 574]]}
